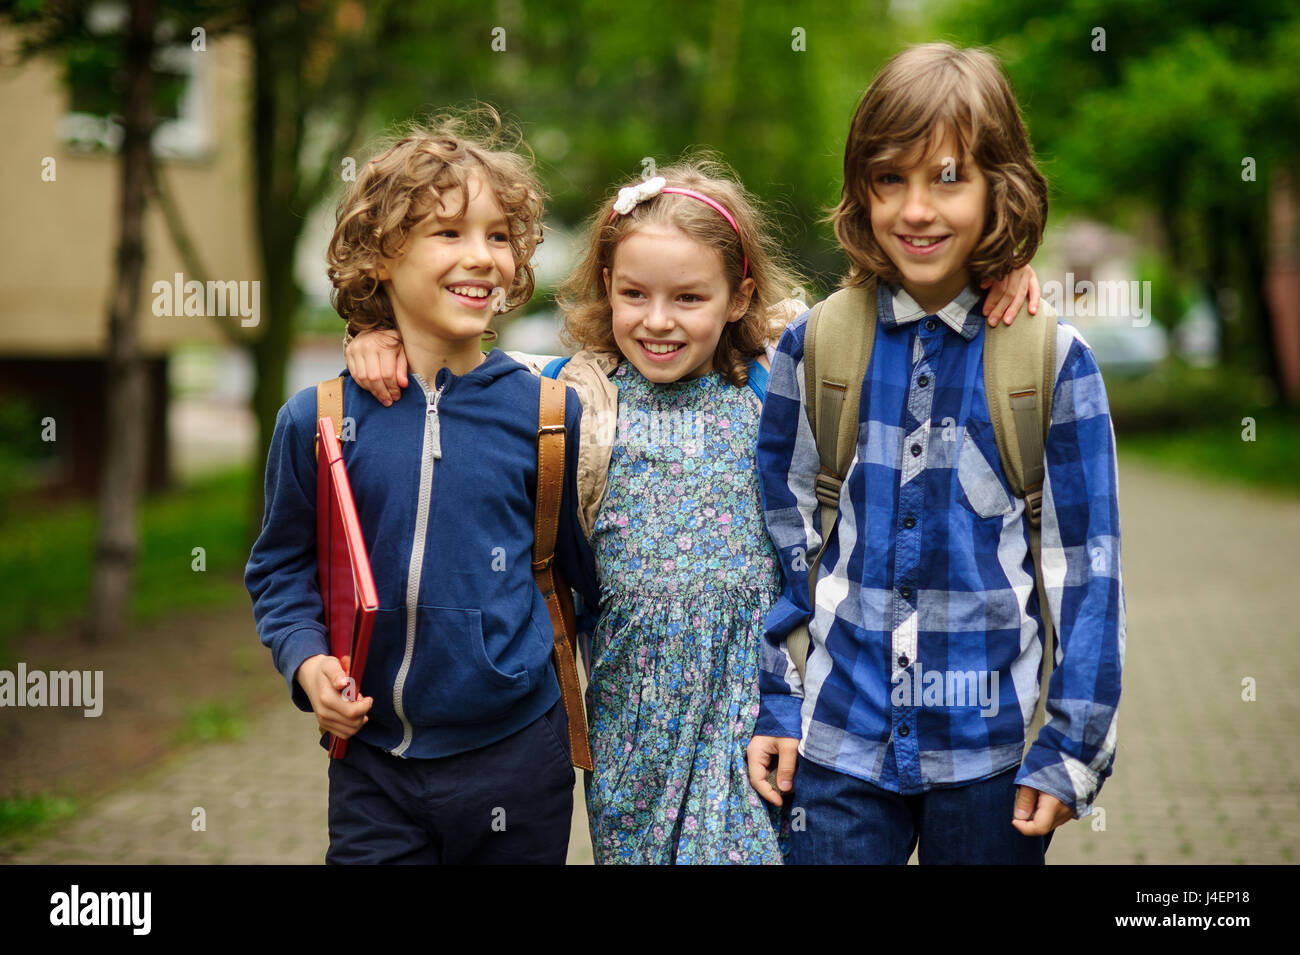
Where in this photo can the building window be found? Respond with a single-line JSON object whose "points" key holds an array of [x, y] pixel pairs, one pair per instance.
{"points": [[93, 73]]}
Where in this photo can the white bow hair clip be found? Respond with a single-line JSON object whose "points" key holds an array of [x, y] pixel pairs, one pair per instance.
{"points": [[630, 196]]}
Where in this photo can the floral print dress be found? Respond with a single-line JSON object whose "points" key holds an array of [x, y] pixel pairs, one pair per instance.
{"points": [[687, 576]]}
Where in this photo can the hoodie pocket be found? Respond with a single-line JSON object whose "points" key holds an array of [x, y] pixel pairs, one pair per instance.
{"points": [[451, 680]]}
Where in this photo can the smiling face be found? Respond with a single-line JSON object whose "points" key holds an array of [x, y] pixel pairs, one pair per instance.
{"points": [[441, 284], [670, 302], [928, 215]]}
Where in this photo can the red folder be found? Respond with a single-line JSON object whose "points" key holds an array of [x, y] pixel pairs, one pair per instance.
{"points": [[346, 584]]}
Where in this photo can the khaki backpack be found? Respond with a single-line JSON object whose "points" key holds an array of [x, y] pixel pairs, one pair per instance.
{"points": [[1019, 376]]}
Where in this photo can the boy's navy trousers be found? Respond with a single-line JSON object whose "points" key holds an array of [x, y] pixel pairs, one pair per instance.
{"points": [[509, 802], [850, 821]]}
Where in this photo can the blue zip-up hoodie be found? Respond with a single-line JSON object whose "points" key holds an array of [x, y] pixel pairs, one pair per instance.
{"points": [[445, 485]]}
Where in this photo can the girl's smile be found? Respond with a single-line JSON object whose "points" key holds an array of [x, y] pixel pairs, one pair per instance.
{"points": [[670, 303]]}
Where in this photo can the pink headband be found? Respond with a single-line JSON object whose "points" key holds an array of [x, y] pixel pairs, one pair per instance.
{"points": [[694, 195]]}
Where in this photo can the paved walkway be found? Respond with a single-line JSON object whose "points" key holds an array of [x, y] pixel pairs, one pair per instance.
{"points": [[1201, 775]]}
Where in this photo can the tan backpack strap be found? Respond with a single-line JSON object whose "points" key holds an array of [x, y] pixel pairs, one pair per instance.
{"points": [[329, 404], [838, 340], [559, 599], [1019, 381], [1019, 378]]}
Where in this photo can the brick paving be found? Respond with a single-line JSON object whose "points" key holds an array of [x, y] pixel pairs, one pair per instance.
{"points": [[1201, 775]]}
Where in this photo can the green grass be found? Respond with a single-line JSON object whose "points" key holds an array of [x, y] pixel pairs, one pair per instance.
{"points": [[1218, 451], [45, 557], [21, 813], [1194, 420], [211, 722], [1175, 395]]}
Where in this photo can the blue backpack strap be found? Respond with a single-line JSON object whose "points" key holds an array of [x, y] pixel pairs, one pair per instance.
{"points": [[552, 369], [758, 379]]}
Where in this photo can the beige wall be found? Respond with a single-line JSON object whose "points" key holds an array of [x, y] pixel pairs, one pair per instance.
{"points": [[60, 237]]}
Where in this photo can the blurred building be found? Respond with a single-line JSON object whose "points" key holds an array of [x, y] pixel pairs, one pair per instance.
{"points": [[62, 193], [1088, 273]]}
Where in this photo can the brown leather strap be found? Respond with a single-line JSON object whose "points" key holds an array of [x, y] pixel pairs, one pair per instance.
{"points": [[559, 600], [329, 404]]}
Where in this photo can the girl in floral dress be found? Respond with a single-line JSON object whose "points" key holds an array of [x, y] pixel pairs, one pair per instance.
{"points": [[672, 307], [678, 281]]}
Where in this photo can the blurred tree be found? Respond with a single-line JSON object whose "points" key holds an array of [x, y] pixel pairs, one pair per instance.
{"points": [[1186, 111], [62, 26], [598, 87], [595, 89]]}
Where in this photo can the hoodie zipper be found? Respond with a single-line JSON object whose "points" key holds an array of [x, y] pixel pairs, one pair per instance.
{"points": [[431, 451]]}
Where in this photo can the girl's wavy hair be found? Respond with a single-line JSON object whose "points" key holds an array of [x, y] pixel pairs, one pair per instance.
{"points": [[401, 185], [585, 303], [922, 95]]}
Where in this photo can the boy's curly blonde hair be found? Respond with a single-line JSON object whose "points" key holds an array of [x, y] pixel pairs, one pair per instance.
{"points": [[921, 95], [398, 188], [588, 315]]}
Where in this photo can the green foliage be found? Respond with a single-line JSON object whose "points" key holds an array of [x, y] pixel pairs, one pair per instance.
{"points": [[45, 557], [1195, 420], [1176, 396], [214, 721], [92, 55], [1163, 124], [22, 813], [597, 88], [1218, 452], [21, 449]]}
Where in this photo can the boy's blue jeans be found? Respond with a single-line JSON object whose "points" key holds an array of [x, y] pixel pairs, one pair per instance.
{"points": [[848, 821], [509, 802]]}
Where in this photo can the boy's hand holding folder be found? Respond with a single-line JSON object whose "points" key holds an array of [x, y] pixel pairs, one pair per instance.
{"points": [[324, 678]]}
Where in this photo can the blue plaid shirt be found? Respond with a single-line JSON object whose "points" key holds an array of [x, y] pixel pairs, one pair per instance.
{"points": [[926, 646]]}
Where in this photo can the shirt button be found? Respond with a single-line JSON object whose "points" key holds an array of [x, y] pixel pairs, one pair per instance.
{"points": [[931, 325], [903, 730], [903, 661], [909, 522], [916, 450], [923, 380], [906, 592]]}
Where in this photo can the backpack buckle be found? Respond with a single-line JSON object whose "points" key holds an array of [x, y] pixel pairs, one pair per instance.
{"points": [[828, 489], [1034, 505]]}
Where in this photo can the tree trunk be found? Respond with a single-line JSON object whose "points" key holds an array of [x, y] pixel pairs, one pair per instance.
{"points": [[283, 38], [126, 396], [270, 359], [277, 129], [1217, 275], [1252, 238]]}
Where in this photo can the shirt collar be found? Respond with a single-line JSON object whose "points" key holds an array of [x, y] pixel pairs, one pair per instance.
{"points": [[959, 314]]}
